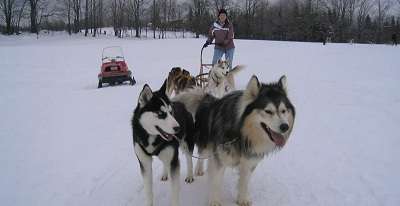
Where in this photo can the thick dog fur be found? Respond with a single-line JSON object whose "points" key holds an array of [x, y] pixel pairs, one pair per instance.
{"points": [[158, 127], [221, 80], [239, 129], [179, 80]]}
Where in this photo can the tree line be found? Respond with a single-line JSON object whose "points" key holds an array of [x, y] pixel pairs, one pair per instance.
{"points": [[290, 20]]}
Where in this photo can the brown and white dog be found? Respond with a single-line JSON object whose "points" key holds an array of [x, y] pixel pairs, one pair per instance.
{"points": [[179, 80]]}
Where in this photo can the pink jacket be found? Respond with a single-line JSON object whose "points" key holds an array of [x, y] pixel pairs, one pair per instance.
{"points": [[223, 35]]}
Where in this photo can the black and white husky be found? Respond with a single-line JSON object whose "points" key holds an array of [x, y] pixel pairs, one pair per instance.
{"points": [[239, 129], [158, 127]]}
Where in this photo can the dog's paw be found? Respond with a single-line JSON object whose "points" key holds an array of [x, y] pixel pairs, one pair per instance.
{"points": [[215, 203], [199, 172], [244, 202], [164, 178], [189, 179]]}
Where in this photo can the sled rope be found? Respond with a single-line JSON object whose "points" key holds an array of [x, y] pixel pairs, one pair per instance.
{"points": [[220, 145]]}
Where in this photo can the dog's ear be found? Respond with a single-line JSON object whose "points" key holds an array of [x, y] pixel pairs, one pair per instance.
{"points": [[219, 61], [253, 87], [145, 95], [175, 71], [169, 86], [185, 72], [163, 89], [283, 83]]}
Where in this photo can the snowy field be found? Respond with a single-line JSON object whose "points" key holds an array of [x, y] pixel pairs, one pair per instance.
{"points": [[65, 142]]}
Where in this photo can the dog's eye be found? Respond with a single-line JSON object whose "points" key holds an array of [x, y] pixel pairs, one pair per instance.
{"points": [[269, 112], [161, 114], [283, 111]]}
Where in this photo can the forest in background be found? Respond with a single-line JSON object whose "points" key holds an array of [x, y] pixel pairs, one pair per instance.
{"points": [[363, 21]]}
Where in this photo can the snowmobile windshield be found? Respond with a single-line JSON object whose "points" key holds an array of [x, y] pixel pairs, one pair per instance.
{"points": [[112, 54]]}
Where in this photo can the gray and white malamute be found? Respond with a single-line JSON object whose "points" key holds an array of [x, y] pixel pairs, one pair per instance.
{"points": [[221, 80], [238, 130], [158, 127]]}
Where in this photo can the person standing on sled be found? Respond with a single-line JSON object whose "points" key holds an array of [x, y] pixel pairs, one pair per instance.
{"points": [[222, 31]]}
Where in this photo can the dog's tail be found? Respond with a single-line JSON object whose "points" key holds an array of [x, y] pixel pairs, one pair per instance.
{"points": [[231, 74], [236, 70], [191, 98]]}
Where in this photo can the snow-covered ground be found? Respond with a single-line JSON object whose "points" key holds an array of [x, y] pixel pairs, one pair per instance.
{"points": [[65, 142]]}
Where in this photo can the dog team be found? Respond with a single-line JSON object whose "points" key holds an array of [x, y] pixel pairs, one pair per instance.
{"points": [[229, 127]]}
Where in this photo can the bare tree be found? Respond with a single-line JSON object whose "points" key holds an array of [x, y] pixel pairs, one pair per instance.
{"points": [[363, 9], [221, 4], [67, 8], [39, 10], [250, 9], [136, 6], [383, 7], [86, 17], [154, 18], [200, 12], [341, 12], [100, 14], [118, 10], [21, 10], [33, 15], [45, 12], [93, 17], [76, 7], [12, 12], [164, 18], [8, 8], [180, 15]]}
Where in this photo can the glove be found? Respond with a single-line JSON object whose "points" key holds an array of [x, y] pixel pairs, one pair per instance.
{"points": [[206, 44]]}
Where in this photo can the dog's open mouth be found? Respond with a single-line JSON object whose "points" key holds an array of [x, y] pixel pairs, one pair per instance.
{"points": [[277, 138], [166, 136]]}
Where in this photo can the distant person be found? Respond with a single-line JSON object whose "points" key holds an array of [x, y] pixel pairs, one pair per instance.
{"points": [[323, 37], [394, 39], [222, 31]]}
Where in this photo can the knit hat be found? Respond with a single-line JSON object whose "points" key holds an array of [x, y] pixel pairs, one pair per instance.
{"points": [[222, 11]]}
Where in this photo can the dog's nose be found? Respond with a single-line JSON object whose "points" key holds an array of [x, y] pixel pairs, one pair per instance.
{"points": [[284, 127], [177, 129]]}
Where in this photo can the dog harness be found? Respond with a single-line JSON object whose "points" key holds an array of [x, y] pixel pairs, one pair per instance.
{"points": [[158, 149]]}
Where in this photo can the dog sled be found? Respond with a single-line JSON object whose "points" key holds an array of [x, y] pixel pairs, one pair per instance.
{"points": [[202, 77]]}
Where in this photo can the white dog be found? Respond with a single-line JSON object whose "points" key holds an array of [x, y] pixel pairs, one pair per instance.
{"points": [[220, 79]]}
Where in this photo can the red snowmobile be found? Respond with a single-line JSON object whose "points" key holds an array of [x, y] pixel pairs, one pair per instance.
{"points": [[114, 69]]}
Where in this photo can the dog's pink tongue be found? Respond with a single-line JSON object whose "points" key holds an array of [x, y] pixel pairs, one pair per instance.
{"points": [[278, 139]]}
